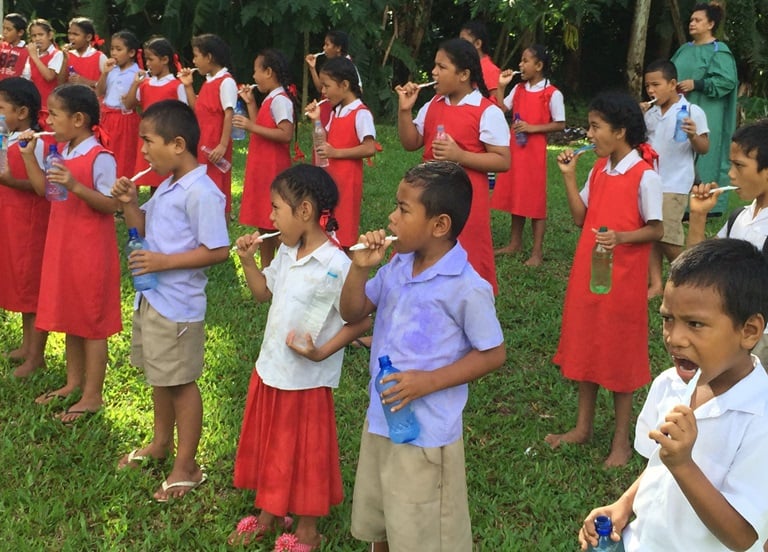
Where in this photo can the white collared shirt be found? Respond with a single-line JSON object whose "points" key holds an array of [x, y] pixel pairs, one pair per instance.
{"points": [[54, 63], [228, 90], [556, 101], [281, 108], [181, 93], [363, 121], [104, 166]]}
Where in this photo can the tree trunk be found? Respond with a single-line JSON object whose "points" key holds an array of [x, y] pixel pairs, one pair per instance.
{"points": [[414, 20], [636, 52], [677, 23]]}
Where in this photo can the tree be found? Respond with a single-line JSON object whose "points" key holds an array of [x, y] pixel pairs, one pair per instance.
{"points": [[636, 51]]}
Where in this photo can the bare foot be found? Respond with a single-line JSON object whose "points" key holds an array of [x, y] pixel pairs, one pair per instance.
{"points": [[619, 456], [654, 292], [28, 367], [507, 250], [554, 440], [56, 394], [78, 410], [535, 260], [16, 354], [179, 483], [136, 457]]}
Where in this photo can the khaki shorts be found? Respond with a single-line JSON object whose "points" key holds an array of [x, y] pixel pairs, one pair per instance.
{"points": [[414, 498], [672, 210], [171, 353]]}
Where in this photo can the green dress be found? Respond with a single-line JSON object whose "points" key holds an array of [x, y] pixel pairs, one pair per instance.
{"points": [[712, 64]]}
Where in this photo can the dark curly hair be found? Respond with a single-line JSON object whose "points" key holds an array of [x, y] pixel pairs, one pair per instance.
{"points": [[310, 183], [620, 110], [464, 56]]}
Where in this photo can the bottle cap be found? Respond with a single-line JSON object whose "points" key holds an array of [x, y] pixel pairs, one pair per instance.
{"points": [[603, 526], [384, 361], [133, 233], [603, 229]]}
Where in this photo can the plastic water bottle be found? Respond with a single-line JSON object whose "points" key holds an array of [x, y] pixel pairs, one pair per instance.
{"points": [[71, 71], [319, 139], [239, 133], [604, 527], [491, 181], [141, 282], [441, 135], [320, 305], [53, 190], [222, 164], [3, 144], [403, 425], [602, 267], [680, 134], [520, 137]]}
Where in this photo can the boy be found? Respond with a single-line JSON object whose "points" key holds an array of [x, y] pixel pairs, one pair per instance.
{"points": [[676, 160], [749, 172], [476, 33], [437, 322], [185, 227], [704, 487]]}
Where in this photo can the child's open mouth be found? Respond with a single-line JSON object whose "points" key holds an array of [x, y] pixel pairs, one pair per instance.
{"points": [[685, 368]]}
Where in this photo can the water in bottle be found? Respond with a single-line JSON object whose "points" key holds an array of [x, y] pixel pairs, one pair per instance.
{"points": [[222, 164], [318, 139], [520, 137], [403, 425], [239, 133], [3, 144], [441, 134], [680, 134], [53, 190], [323, 298], [602, 267], [604, 526], [142, 282]]}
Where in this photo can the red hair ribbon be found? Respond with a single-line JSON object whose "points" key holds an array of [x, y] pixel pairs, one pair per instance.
{"points": [[649, 155], [292, 90], [379, 149], [298, 155], [176, 62], [101, 135], [140, 58], [97, 41], [325, 216]]}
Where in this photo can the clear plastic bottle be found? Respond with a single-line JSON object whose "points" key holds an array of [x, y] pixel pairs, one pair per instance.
{"points": [[3, 144], [141, 282], [680, 134], [319, 138], [604, 527], [239, 133], [53, 191], [602, 268], [491, 181], [223, 165], [403, 425], [320, 305], [71, 71], [441, 135], [520, 137]]}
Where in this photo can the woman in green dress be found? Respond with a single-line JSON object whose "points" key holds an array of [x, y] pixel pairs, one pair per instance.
{"points": [[707, 76]]}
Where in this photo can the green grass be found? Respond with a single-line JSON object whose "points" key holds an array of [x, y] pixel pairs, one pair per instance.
{"points": [[61, 490]]}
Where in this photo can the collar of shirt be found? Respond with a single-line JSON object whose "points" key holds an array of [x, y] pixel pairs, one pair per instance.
{"points": [[275, 92], [627, 162], [50, 49], [541, 85], [656, 109], [342, 111], [89, 51], [81, 149], [185, 181], [220, 73], [746, 395], [450, 264], [473, 98], [761, 215], [163, 80], [323, 254]]}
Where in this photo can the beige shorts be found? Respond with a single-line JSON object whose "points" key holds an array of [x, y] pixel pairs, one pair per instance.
{"points": [[171, 353], [672, 210], [414, 498]]}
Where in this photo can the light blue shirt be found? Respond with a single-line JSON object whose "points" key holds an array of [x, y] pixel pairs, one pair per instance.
{"points": [[118, 84], [426, 322], [180, 217]]}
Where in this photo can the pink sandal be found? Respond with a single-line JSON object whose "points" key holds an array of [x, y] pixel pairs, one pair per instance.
{"points": [[253, 531], [288, 542]]}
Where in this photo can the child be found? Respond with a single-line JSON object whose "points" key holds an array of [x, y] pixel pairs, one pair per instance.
{"points": [[162, 64], [185, 228], [476, 137], [13, 50], [522, 191], [46, 63], [80, 283], [84, 62], [23, 224], [351, 137], [436, 321], [271, 126], [476, 33], [749, 171], [622, 193], [288, 450], [704, 487], [119, 122], [676, 159]]}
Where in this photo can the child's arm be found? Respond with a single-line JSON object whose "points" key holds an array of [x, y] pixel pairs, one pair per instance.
{"points": [[92, 197], [311, 61], [345, 336], [366, 149], [257, 282], [144, 261], [34, 171], [554, 126], [129, 100], [101, 84], [47, 73], [406, 129], [652, 231], [186, 78], [619, 512], [124, 191], [354, 304], [676, 436], [6, 179], [699, 142], [566, 161], [702, 201], [493, 159], [226, 135], [505, 77]]}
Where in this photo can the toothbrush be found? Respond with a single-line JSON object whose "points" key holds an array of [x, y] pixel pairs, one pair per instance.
{"points": [[361, 246], [426, 84], [321, 102], [261, 237]]}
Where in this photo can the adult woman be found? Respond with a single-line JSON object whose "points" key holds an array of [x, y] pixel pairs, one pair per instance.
{"points": [[707, 75]]}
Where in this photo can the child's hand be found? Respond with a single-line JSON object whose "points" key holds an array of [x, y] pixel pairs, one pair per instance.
{"points": [[32, 49], [59, 174], [241, 121], [376, 246], [566, 161], [110, 64], [27, 142], [411, 385], [144, 261], [327, 151], [703, 198], [245, 93], [689, 127], [185, 76], [247, 245], [505, 77], [685, 86], [140, 75], [520, 126], [446, 150], [217, 153], [676, 437], [124, 190], [407, 95], [619, 515], [312, 110], [302, 345], [608, 239], [311, 60]]}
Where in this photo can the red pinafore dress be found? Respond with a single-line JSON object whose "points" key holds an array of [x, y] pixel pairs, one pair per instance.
{"points": [[87, 67], [266, 159], [462, 123], [23, 226], [348, 175], [151, 95], [45, 87], [604, 338], [122, 128], [522, 190], [80, 283], [12, 60], [210, 115]]}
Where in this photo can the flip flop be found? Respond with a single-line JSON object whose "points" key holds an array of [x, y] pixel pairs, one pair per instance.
{"points": [[80, 414], [249, 530], [189, 485], [133, 457], [288, 542], [48, 397]]}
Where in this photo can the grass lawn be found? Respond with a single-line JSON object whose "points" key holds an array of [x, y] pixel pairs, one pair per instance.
{"points": [[61, 490]]}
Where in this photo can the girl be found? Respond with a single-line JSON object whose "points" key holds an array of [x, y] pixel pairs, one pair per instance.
{"points": [[214, 106], [83, 61], [120, 123], [80, 283], [475, 135], [271, 126], [288, 450], [522, 191], [13, 50], [45, 64], [622, 194], [23, 224], [162, 64], [351, 137]]}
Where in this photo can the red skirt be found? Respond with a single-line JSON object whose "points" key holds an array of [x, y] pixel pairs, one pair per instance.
{"points": [[122, 130], [289, 451]]}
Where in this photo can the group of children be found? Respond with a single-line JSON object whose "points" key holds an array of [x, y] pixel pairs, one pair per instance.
{"points": [[405, 496]]}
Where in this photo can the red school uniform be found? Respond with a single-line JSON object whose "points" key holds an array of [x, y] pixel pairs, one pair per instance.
{"points": [[616, 357], [491, 74], [80, 284], [210, 116], [266, 159], [348, 175], [88, 66], [462, 123], [12, 59], [45, 87], [522, 190], [151, 95], [23, 226]]}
